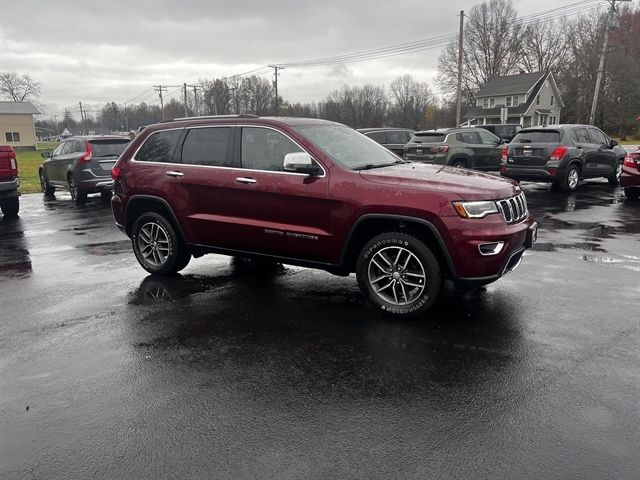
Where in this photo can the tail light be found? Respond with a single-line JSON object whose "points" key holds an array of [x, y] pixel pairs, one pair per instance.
{"points": [[629, 161], [87, 155], [504, 155], [14, 163], [439, 148], [558, 154], [116, 173]]}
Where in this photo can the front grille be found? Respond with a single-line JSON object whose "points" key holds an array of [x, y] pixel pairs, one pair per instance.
{"points": [[513, 209]]}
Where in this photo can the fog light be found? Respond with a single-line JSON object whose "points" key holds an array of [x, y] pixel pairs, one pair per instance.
{"points": [[492, 248]]}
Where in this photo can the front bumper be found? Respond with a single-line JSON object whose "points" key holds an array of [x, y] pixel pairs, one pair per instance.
{"points": [[630, 177]]}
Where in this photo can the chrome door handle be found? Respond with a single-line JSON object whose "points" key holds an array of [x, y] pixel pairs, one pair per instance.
{"points": [[246, 180], [174, 174]]}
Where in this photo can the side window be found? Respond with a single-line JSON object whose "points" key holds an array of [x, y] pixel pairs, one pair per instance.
{"points": [[597, 137], [264, 149], [159, 147], [76, 147], [580, 136], [380, 137], [397, 137], [471, 138], [488, 138], [59, 149], [206, 146]]}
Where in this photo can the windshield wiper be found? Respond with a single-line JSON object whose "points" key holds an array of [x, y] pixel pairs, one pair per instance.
{"points": [[370, 166]]}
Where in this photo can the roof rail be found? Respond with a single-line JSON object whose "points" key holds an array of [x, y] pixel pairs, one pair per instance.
{"points": [[207, 117]]}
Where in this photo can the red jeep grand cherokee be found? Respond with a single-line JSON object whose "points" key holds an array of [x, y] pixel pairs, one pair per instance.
{"points": [[318, 194]]}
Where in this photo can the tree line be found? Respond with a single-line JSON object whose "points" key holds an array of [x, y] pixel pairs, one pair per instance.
{"points": [[495, 43]]}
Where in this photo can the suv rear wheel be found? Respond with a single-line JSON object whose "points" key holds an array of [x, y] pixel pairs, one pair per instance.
{"points": [[157, 246], [399, 274], [570, 181], [459, 163]]}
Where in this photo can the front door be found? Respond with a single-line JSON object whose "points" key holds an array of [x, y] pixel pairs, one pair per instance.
{"points": [[605, 158], [276, 212]]}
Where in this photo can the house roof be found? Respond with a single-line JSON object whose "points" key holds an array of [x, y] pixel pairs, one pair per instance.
{"points": [[521, 109], [510, 84], [18, 108]]}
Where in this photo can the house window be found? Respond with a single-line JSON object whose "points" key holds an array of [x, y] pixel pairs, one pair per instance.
{"points": [[485, 103], [12, 136], [508, 101], [492, 102], [553, 120], [516, 101], [551, 99]]}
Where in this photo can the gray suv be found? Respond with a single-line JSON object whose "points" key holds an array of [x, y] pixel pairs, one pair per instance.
{"points": [[459, 147], [82, 165], [393, 139]]}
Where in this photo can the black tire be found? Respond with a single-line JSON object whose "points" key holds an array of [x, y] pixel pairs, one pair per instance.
{"points": [[632, 193], [459, 163], [78, 196], [615, 178], [10, 206], [571, 179], [156, 245], [45, 186], [106, 195], [414, 259]]}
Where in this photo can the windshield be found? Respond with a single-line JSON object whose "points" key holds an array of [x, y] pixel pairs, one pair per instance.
{"points": [[348, 147]]}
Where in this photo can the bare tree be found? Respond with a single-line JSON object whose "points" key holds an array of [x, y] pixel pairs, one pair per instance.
{"points": [[544, 47], [491, 42], [410, 100], [18, 88]]}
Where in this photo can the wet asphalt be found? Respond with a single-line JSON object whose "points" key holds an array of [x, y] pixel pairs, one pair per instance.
{"points": [[229, 372]]}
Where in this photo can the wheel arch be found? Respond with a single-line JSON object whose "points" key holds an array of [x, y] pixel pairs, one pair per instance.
{"points": [[461, 156], [139, 204], [370, 225]]}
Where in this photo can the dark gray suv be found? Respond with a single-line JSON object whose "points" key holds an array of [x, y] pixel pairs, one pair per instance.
{"points": [[82, 165], [459, 147], [393, 139], [562, 155]]}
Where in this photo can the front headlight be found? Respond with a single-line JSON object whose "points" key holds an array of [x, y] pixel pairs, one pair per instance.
{"points": [[475, 209]]}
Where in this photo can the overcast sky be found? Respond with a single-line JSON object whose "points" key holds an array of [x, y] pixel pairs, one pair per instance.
{"points": [[100, 51]]}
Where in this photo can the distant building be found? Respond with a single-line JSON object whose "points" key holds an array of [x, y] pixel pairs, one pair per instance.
{"points": [[17, 127], [530, 99]]}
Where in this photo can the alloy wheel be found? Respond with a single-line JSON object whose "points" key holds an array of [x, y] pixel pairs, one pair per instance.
{"points": [[573, 178], [153, 243], [396, 275]]}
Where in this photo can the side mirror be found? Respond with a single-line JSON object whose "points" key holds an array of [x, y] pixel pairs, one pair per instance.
{"points": [[300, 162], [614, 143], [45, 154]]}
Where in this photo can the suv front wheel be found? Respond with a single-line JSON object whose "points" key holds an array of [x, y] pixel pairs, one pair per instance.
{"points": [[157, 246], [399, 274]]}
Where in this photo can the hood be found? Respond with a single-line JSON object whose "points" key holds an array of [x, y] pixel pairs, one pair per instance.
{"points": [[468, 184]]}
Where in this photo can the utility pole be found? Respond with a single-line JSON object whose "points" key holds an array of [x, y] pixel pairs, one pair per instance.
{"points": [[196, 110], [275, 83], [84, 126], [160, 89], [459, 89], [610, 25], [186, 114], [55, 119]]}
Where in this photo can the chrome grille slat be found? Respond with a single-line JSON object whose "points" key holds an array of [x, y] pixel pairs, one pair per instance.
{"points": [[513, 209]]}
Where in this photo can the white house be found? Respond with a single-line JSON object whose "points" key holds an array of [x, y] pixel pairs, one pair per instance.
{"points": [[16, 124], [530, 99]]}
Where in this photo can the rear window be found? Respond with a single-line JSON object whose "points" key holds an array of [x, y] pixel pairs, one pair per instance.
{"points": [[428, 137], [108, 148], [159, 147], [538, 136]]}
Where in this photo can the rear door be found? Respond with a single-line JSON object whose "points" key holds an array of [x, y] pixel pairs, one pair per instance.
{"points": [[479, 152], [198, 185], [277, 212]]}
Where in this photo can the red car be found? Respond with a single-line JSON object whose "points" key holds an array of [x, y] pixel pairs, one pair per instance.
{"points": [[319, 194], [630, 178], [9, 182]]}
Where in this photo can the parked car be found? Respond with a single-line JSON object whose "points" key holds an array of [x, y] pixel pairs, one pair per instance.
{"points": [[630, 177], [9, 182], [562, 155], [82, 165], [319, 194], [505, 132], [459, 147], [392, 138]]}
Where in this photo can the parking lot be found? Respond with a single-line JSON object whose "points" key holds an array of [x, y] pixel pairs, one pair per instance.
{"points": [[228, 372]]}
